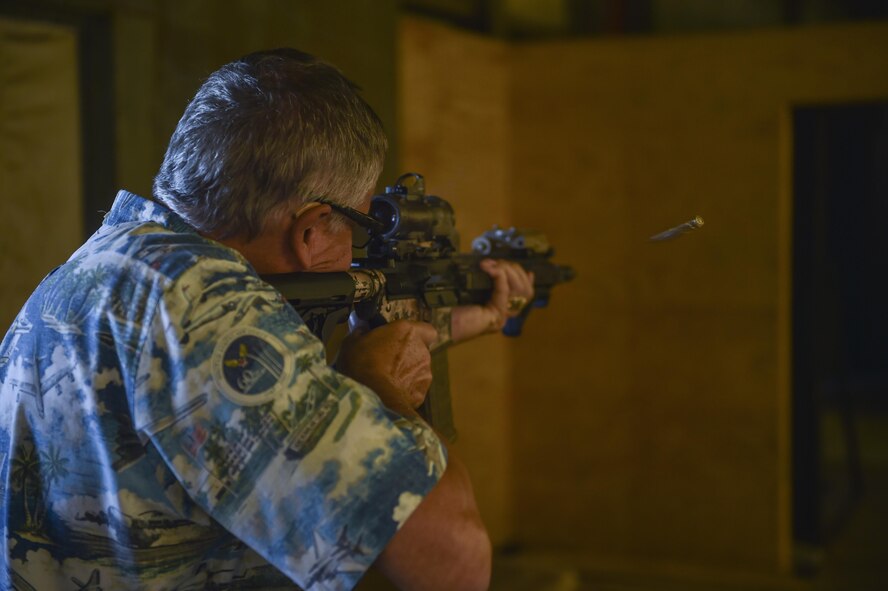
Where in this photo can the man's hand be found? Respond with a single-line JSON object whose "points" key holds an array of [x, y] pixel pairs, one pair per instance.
{"points": [[393, 361], [512, 292]]}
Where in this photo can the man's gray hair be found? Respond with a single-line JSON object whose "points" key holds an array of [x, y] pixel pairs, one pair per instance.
{"points": [[264, 130]]}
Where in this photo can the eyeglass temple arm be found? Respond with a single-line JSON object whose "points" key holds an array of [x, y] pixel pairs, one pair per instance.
{"points": [[373, 225]]}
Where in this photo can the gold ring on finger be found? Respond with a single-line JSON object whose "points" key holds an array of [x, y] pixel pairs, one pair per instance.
{"points": [[517, 303]]}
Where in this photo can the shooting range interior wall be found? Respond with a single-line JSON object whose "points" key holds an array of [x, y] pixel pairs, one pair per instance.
{"points": [[39, 156], [160, 53], [167, 48], [456, 135], [645, 417]]}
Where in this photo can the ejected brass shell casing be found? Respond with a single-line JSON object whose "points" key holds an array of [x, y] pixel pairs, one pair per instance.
{"points": [[677, 230]]}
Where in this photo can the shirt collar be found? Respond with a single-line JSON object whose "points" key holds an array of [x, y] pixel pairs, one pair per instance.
{"points": [[129, 207]]}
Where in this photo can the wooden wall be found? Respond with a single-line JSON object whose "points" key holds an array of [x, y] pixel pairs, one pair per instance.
{"points": [[40, 176], [647, 411], [165, 49], [454, 131], [645, 414], [162, 51]]}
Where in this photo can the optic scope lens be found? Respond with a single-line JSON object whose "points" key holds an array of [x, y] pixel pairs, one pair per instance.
{"points": [[385, 212]]}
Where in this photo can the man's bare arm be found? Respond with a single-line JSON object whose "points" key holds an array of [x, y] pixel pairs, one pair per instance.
{"points": [[443, 545]]}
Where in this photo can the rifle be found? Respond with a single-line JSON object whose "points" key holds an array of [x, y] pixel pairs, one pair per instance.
{"points": [[412, 269]]}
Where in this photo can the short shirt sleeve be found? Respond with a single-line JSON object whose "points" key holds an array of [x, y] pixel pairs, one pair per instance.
{"points": [[302, 464]]}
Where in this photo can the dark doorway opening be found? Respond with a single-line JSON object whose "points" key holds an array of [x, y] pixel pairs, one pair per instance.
{"points": [[840, 310]]}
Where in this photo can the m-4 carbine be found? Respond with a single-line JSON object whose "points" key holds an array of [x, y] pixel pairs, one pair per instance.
{"points": [[413, 270]]}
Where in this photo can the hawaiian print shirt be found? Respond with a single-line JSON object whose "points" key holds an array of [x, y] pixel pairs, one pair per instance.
{"points": [[167, 421]]}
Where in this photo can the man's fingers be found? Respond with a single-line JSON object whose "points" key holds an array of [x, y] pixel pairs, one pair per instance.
{"points": [[509, 277], [520, 281], [513, 290], [421, 370], [422, 386], [498, 273], [490, 266], [426, 332]]}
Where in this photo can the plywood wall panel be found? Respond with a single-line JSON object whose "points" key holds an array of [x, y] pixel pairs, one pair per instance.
{"points": [[686, 126], [40, 156], [454, 130], [650, 402]]}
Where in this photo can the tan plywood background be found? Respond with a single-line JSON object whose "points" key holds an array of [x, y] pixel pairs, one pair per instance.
{"points": [[40, 182], [456, 135], [645, 415]]}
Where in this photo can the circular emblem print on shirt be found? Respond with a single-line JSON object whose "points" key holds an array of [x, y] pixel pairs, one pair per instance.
{"points": [[250, 366]]}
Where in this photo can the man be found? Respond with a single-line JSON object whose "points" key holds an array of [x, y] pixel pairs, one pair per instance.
{"points": [[167, 421]]}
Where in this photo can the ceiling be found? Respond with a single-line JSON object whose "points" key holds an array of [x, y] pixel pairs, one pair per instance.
{"points": [[546, 19]]}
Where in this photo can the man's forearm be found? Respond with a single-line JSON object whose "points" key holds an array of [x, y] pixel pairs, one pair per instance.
{"points": [[444, 544]]}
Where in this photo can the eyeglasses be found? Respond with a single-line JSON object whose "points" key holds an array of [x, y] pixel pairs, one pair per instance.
{"points": [[367, 224]]}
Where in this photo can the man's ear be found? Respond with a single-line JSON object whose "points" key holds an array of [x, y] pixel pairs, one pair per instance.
{"points": [[307, 238]]}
